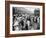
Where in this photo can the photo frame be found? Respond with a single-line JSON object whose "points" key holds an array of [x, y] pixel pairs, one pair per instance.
{"points": [[15, 10]]}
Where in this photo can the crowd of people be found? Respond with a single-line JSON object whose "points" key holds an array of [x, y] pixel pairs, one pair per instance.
{"points": [[25, 22]]}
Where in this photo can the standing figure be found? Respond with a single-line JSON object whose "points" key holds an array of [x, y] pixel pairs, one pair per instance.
{"points": [[16, 25], [35, 22], [21, 24], [28, 25]]}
